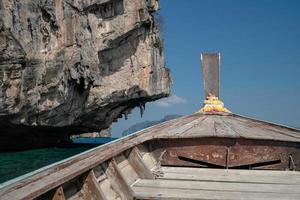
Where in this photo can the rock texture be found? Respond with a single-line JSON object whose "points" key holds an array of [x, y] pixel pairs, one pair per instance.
{"points": [[75, 66], [103, 133]]}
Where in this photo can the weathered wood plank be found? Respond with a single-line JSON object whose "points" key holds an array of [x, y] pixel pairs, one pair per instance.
{"points": [[179, 130], [270, 127], [251, 128], [167, 193], [232, 126], [126, 169], [59, 194], [229, 172], [172, 128], [222, 129], [118, 181], [232, 176], [218, 186], [138, 164], [246, 179], [246, 130], [108, 190], [91, 189], [147, 156], [206, 127]]}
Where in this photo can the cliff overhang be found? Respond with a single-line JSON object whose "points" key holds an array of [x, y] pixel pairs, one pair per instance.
{"points": [[74, 66]]}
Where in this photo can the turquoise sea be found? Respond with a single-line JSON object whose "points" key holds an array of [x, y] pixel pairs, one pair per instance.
{"points": [[18, 163]]}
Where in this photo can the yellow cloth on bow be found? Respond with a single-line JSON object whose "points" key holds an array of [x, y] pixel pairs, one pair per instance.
{"points": [[212, 104]]}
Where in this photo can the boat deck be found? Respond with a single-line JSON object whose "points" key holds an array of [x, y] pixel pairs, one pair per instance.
{"points": [[192, 157], [199, 183]]}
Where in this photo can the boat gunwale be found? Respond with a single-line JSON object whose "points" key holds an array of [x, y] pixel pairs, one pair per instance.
{"points": [[5, 187]]}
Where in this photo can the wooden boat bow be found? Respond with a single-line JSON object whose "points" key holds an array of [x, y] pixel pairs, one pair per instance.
{"points": [[206, 155]]}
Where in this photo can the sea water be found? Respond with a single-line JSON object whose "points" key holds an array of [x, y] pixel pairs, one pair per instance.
{"points": [[18, 163]]}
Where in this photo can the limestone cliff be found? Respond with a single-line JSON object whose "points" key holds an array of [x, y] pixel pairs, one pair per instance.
{"points": [[75, 66]]}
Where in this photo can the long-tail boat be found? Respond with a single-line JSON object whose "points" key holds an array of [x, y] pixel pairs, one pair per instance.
{"points": [[211, 154]]}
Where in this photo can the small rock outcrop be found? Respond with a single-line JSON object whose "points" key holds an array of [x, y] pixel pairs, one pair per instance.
{"points": [[75, 66]]}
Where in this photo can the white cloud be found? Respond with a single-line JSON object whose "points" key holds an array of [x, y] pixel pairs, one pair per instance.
{"points": [[170, 101]]}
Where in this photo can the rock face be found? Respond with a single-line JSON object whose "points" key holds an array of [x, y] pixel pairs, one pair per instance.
{"points": [[102, 133], [75, 66]]}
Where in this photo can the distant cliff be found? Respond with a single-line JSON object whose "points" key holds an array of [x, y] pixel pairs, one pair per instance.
{"points": [[74, 66], [146, 124]]}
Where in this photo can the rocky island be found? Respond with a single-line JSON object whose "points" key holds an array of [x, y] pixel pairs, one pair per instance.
{"points": [[74, 66]]}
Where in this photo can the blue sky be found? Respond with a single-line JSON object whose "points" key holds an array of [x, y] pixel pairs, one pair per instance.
{"points": [[259, 42]]}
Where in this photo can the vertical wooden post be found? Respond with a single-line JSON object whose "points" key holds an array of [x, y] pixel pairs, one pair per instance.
{"points": [[211, 73]]}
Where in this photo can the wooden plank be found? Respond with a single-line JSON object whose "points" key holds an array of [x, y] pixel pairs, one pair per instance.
{"points": [[149, 160], [222, 129], [167, 193], [118, 181], [172, 129], [211, 73], [245, 130], [179, 130], [108, 190], [247, 176], [206, 127], [126, 169], [245, 179], [251, 128], [138, 164], [59, 194], [229, 172], [271, 127], [91, 189], [218, 186], [232, 126], [147, 156]]}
